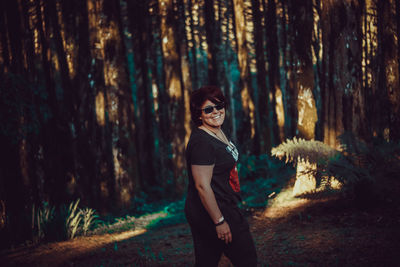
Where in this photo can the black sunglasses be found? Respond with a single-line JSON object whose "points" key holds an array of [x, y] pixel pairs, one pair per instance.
{"points": [[209, 109]]}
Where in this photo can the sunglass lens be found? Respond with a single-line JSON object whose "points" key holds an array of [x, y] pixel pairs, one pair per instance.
{"points": [[208, 110], [220, 106]]}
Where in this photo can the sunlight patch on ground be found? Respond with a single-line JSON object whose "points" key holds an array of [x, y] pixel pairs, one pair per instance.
{"points": [[73, 248], [283, 203], [128, 234]]}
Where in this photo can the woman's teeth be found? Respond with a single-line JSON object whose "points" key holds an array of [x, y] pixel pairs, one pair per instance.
{"points": [[217, 117]]}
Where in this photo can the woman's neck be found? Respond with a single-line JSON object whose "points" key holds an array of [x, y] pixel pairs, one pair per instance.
{"points": [[214, 129]]}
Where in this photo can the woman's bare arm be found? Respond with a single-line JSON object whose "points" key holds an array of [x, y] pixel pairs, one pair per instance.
{"points": [[202, 175]]}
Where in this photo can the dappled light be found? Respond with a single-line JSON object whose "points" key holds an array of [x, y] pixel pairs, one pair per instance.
{"points": [[100, 109], [283, 203]]}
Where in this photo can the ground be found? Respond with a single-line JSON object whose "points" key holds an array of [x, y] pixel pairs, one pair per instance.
{"points": [[293, 232]]}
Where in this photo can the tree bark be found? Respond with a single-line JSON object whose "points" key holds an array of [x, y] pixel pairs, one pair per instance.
{"points": [[262, 143], [211, 32], [174, 87], [246, 125]]}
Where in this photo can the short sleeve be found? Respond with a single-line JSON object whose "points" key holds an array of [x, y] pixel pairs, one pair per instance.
{"points": [[202, 152]]}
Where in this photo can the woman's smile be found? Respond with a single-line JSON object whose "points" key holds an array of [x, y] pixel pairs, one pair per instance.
{"points": [[214, 119]]}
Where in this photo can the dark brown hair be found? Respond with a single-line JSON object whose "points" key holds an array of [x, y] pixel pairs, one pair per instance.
{"points": [[201, 95]]}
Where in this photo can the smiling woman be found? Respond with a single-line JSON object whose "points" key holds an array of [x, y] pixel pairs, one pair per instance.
{"points": [[217, 224]]}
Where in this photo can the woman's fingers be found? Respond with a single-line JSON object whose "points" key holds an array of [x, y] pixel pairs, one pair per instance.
{"points": [[228, 238], [224, 232]]}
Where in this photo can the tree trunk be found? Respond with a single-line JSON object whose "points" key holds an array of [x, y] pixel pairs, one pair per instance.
{"points": [[173, 75], [276, 127], [246, 125], [395, 131], [262, 143], [114, 51], [193, 47], [387, 91], [211, 32]]}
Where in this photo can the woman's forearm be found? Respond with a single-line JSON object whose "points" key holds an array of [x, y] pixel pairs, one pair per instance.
{"points": [[207, 197]]}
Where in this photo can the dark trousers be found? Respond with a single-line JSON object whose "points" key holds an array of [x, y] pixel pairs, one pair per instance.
{"points": [[208, 248]]}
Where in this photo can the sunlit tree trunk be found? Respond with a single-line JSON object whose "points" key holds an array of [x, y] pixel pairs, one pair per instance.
{"points": [[95, 135], [303, 97], [246, 125], [164, 164], [173, 83], [302, 15], [228, 41], [117, 81], [193, 46]]}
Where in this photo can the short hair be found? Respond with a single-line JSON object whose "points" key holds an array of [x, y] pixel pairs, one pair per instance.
{"points": [[201, 95]]}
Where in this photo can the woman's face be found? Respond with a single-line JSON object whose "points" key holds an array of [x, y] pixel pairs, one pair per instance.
{"points": [[215, 118]]}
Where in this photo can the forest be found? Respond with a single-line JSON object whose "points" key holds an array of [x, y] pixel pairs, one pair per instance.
{"points": [[94, 102]]}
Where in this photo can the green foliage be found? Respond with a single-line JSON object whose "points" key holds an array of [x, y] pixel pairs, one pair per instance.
{"points": [[170, 219], [41, 218], [117, 225], [364, 170], [73, 219], [251, 166], [305, 150], [268, 176], [88, 220]]}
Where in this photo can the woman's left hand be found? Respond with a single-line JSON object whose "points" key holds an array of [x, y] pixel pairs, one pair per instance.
{"points": [[224, 232]]}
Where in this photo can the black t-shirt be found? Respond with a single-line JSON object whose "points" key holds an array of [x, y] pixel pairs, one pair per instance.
{"points": [[204, 149]]}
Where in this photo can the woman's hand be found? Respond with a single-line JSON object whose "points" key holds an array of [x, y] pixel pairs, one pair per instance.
{"points": [[224, 232]]}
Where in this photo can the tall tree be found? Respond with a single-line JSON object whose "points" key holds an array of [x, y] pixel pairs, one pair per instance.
{"points": [[273, 73], [302, 23], [387, 86], [174, 86], [212, 44], [125, 166], [395, 133], [246, 124], [139, 27], [12, 137], [262, 141]]}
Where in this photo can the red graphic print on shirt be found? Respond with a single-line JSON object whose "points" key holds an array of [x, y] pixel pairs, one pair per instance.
{"points": [[234, 179]]}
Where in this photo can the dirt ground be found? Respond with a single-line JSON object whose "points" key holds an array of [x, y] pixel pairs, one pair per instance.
{"points": [[319, 232]]}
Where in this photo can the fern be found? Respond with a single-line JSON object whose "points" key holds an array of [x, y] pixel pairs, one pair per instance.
{"points": [[88, 219], [73, 219], [365, 170], [40, 220], [296, 150]]}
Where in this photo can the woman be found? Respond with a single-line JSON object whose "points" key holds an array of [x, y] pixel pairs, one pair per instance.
{"points": [[217, 224]]}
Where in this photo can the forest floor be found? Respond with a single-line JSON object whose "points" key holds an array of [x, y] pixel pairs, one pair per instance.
{"points": [[291, 232]]}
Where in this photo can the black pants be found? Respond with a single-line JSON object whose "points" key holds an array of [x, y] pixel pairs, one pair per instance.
{"points": [[208, 248]]}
